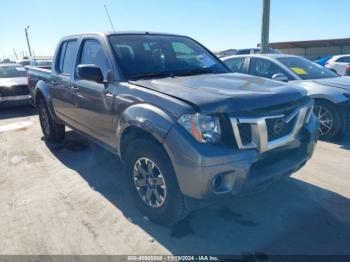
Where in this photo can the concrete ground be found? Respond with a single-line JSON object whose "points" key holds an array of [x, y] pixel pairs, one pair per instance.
{"points": [[72, 200]]}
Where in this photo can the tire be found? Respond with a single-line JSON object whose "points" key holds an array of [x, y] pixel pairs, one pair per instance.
{"points": [[171, 207], [53, 132], [329, 119]]}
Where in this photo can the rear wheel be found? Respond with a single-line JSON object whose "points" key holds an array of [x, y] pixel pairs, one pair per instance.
{"points": [[153, 183], [53, 132], [329, 119]]}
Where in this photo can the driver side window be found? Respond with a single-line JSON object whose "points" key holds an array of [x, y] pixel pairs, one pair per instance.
{"points": [[264, 68], [92, 53]]}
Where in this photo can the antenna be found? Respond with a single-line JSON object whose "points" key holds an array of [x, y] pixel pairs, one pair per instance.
{"points": [[109, 18]]}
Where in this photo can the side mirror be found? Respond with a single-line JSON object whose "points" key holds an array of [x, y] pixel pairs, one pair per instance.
{"points": [[90, 73], [280, 77]]}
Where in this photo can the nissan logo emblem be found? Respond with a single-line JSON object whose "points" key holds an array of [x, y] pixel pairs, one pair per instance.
{"points": [[278, 126]]}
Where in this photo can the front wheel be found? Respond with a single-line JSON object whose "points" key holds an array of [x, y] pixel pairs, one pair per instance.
{"points": [[53, 132], [329, 119], [153, 183]]}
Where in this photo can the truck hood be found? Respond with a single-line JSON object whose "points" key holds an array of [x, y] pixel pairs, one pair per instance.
{"points": [[339, 82], [15, 81], [230, 92]]}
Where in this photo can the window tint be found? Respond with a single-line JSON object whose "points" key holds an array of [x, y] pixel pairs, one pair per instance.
{"points": [[62, 53], [93, 53], [148, 55], [12, 71], [67, 56], [236, 64], [306, 69], [345, 59], [264, 68]]}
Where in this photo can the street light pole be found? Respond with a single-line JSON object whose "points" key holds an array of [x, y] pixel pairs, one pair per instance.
{"points": [[265, 27], [26, 31]]}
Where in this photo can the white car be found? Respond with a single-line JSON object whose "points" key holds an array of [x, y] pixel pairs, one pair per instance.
{"points": [[338, 64]]}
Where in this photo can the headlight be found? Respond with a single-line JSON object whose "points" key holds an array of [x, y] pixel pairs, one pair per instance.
{"points": [[347, 95], [204, 128]]}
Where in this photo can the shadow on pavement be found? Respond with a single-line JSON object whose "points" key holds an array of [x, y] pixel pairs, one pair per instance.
{"points": [[290, 217], [343, 141], [13, 112]]}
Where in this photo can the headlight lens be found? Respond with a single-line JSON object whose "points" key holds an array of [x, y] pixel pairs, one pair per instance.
{"points": [[347, 95], [204, 128]]}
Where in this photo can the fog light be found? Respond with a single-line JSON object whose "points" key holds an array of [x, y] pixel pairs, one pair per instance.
{"points": [[218, 182], [223, 182]]}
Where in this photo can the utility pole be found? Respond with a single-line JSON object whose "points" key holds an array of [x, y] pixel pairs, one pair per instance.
{"points": [[26, 31], [109, 18], [265, 27]]}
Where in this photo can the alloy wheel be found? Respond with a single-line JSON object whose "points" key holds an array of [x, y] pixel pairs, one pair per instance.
{"points": [[325, 119], [149, 182]]}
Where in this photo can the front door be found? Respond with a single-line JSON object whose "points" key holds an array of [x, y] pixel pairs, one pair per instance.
{"points": [[95, 100]]}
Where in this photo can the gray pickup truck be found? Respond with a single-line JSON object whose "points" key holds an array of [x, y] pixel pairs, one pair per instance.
{"points": [[187, 130]]}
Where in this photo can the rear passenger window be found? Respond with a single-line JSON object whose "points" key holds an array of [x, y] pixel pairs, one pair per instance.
{"points": [[236, 64], [93, 53], [67, 55]]}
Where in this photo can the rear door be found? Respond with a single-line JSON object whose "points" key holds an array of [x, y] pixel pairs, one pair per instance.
{"points": [[63, 97], [95, 100]]}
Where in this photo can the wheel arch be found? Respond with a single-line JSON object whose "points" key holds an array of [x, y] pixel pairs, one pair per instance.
{"points": [[142, 121]]}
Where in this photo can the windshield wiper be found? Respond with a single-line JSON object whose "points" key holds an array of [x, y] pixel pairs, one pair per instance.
{"points": [[200, 71], [151, 75]]}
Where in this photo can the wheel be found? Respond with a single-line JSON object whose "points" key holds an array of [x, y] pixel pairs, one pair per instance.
{"points": [[53, 132], [153, 183], [329, 119]]}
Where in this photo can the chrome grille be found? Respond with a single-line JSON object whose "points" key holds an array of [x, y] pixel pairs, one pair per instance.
{"points": [[270, 131]]}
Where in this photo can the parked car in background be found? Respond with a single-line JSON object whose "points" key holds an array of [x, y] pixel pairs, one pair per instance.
{"points": [[13, 85], [323, 60], [330, 91], [42, 63], [230, 52], [23, 62], [256, 51], [338, 64], [185, 127]]}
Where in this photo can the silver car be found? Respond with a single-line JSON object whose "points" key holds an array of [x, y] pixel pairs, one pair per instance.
{"points": [[13, 85], [330, 91]]}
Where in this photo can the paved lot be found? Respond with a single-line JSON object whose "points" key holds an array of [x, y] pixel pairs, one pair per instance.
{"points": [[72, 200]]}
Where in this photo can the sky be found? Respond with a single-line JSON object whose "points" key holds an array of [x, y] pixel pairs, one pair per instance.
{"points": [[218, 24]]}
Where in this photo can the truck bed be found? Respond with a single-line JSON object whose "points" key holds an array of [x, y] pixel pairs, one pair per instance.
{"points": [[36, 74]]}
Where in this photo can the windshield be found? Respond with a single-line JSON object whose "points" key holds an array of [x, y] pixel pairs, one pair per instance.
{"points": [[306, 69], [12, 71], [142, 56]]}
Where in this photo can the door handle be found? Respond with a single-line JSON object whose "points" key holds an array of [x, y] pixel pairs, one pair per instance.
{"points": [[107, 93], [74, 88]]}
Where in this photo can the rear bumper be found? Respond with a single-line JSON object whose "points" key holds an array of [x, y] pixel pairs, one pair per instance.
{"points": [[206, 171]]}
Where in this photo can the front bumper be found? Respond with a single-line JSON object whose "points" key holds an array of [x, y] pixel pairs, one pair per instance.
{"points": [[15, 100], [208, 171]]}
